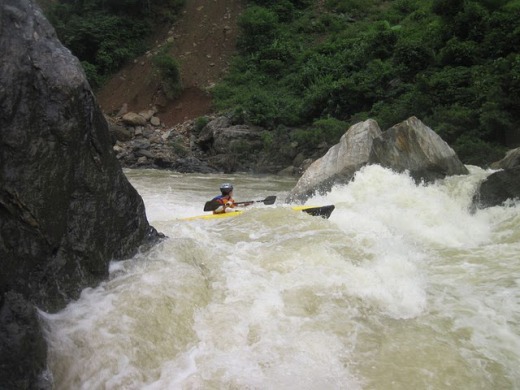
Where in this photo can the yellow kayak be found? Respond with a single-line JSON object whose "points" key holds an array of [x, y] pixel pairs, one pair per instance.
{"points": [[319, 211]]}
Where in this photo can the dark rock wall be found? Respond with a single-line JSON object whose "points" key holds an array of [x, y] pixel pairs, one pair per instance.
{"points": [[498, 188], [66, 208]]}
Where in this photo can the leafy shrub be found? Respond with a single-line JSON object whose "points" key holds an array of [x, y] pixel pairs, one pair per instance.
{"points": [[447, 8], [470, 23], [407, 6], [268, 139], [258, 26], [412, 57], [503, 36], [512, 6], [355, 8], [169, 73], [179, 148], [447, 86], [404, 105], [328, 130], [451, 122], [199, 124], [474, 151], [458, 53], [95, 80], [267, 108]]}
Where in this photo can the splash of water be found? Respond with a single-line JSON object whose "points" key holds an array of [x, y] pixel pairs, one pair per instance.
{"points": [[403, 287]]}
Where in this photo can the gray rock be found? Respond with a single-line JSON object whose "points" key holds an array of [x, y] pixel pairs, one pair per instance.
{"points": [[192, 164], [230, 147], [66, 208], [497, 188], [511, 160], [144, 153], [140, 143], [340, 163], [414, 147], [155, 121], [409, 146], [120, 133], [133, 119]]}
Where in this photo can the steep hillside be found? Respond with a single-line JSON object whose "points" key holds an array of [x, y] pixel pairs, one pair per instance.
{"points": [[203, 41]]}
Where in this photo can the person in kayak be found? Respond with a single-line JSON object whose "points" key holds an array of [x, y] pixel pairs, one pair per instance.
{"points": [[227, 203]]}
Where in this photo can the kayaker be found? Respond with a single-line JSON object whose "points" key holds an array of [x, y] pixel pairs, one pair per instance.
{"points": [[227, 203]]}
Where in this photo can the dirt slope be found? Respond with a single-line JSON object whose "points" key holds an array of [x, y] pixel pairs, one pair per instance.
{"points": [[203, 40]]}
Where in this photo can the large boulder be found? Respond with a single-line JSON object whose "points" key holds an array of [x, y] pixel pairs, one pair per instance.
{"points": [[500, 186], [497, 188], [340, 163], [414, 147], [66, 208], [408, 146], [511, 160]]}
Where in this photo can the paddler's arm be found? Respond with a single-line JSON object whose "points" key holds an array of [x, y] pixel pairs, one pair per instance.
{"points": [[244, 204]]}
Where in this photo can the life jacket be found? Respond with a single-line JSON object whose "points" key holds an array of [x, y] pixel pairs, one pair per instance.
{"points": [[223, 199]]}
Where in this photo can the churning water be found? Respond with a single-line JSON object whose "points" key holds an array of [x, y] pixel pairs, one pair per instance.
{"points": [[402, 288]]}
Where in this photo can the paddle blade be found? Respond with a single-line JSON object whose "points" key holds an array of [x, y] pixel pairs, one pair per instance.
{"points": [[212, 205], [321, 211], [270, 200]]}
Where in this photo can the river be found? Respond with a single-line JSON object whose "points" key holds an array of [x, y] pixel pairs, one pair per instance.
{"points": [[401, 288]]}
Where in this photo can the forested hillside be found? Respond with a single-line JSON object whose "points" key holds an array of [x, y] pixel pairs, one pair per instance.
{"points": [[322, 66], [455, 64]]}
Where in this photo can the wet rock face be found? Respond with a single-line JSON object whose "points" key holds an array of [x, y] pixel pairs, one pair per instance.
{"points": [[340, 163], [414, 147], [498, 188], [66, 208]]}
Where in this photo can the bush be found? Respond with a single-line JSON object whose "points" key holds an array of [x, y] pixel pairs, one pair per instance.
{"points": [[200, 123], [458, 53], [93, 77], [268, 140], [412, 57], [447, 8], [406, 104], [268, 108], [451, 122], [354, 8], [448, 86], [258, 26], [328, 130], [169, 73], [471, 23], [472, 150]]}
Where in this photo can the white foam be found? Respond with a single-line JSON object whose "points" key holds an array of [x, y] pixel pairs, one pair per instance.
{"points": [[400, 284]]}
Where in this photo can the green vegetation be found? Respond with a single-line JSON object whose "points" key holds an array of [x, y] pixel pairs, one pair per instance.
{"points": [[169, 73], [200, 123], [105, 34], [455, 64], [322, 66]]}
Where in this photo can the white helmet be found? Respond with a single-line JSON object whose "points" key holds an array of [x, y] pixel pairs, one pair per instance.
{"points": [[226, 188]]}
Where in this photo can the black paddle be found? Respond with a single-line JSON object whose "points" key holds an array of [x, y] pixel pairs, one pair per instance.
{"points": [[215, 204]]}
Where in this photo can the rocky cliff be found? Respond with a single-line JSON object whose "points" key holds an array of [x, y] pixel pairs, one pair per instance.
{"points": [[66, 208]]}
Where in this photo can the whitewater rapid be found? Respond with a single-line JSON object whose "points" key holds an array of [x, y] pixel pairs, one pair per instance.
{"points": [[403, 287]]}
